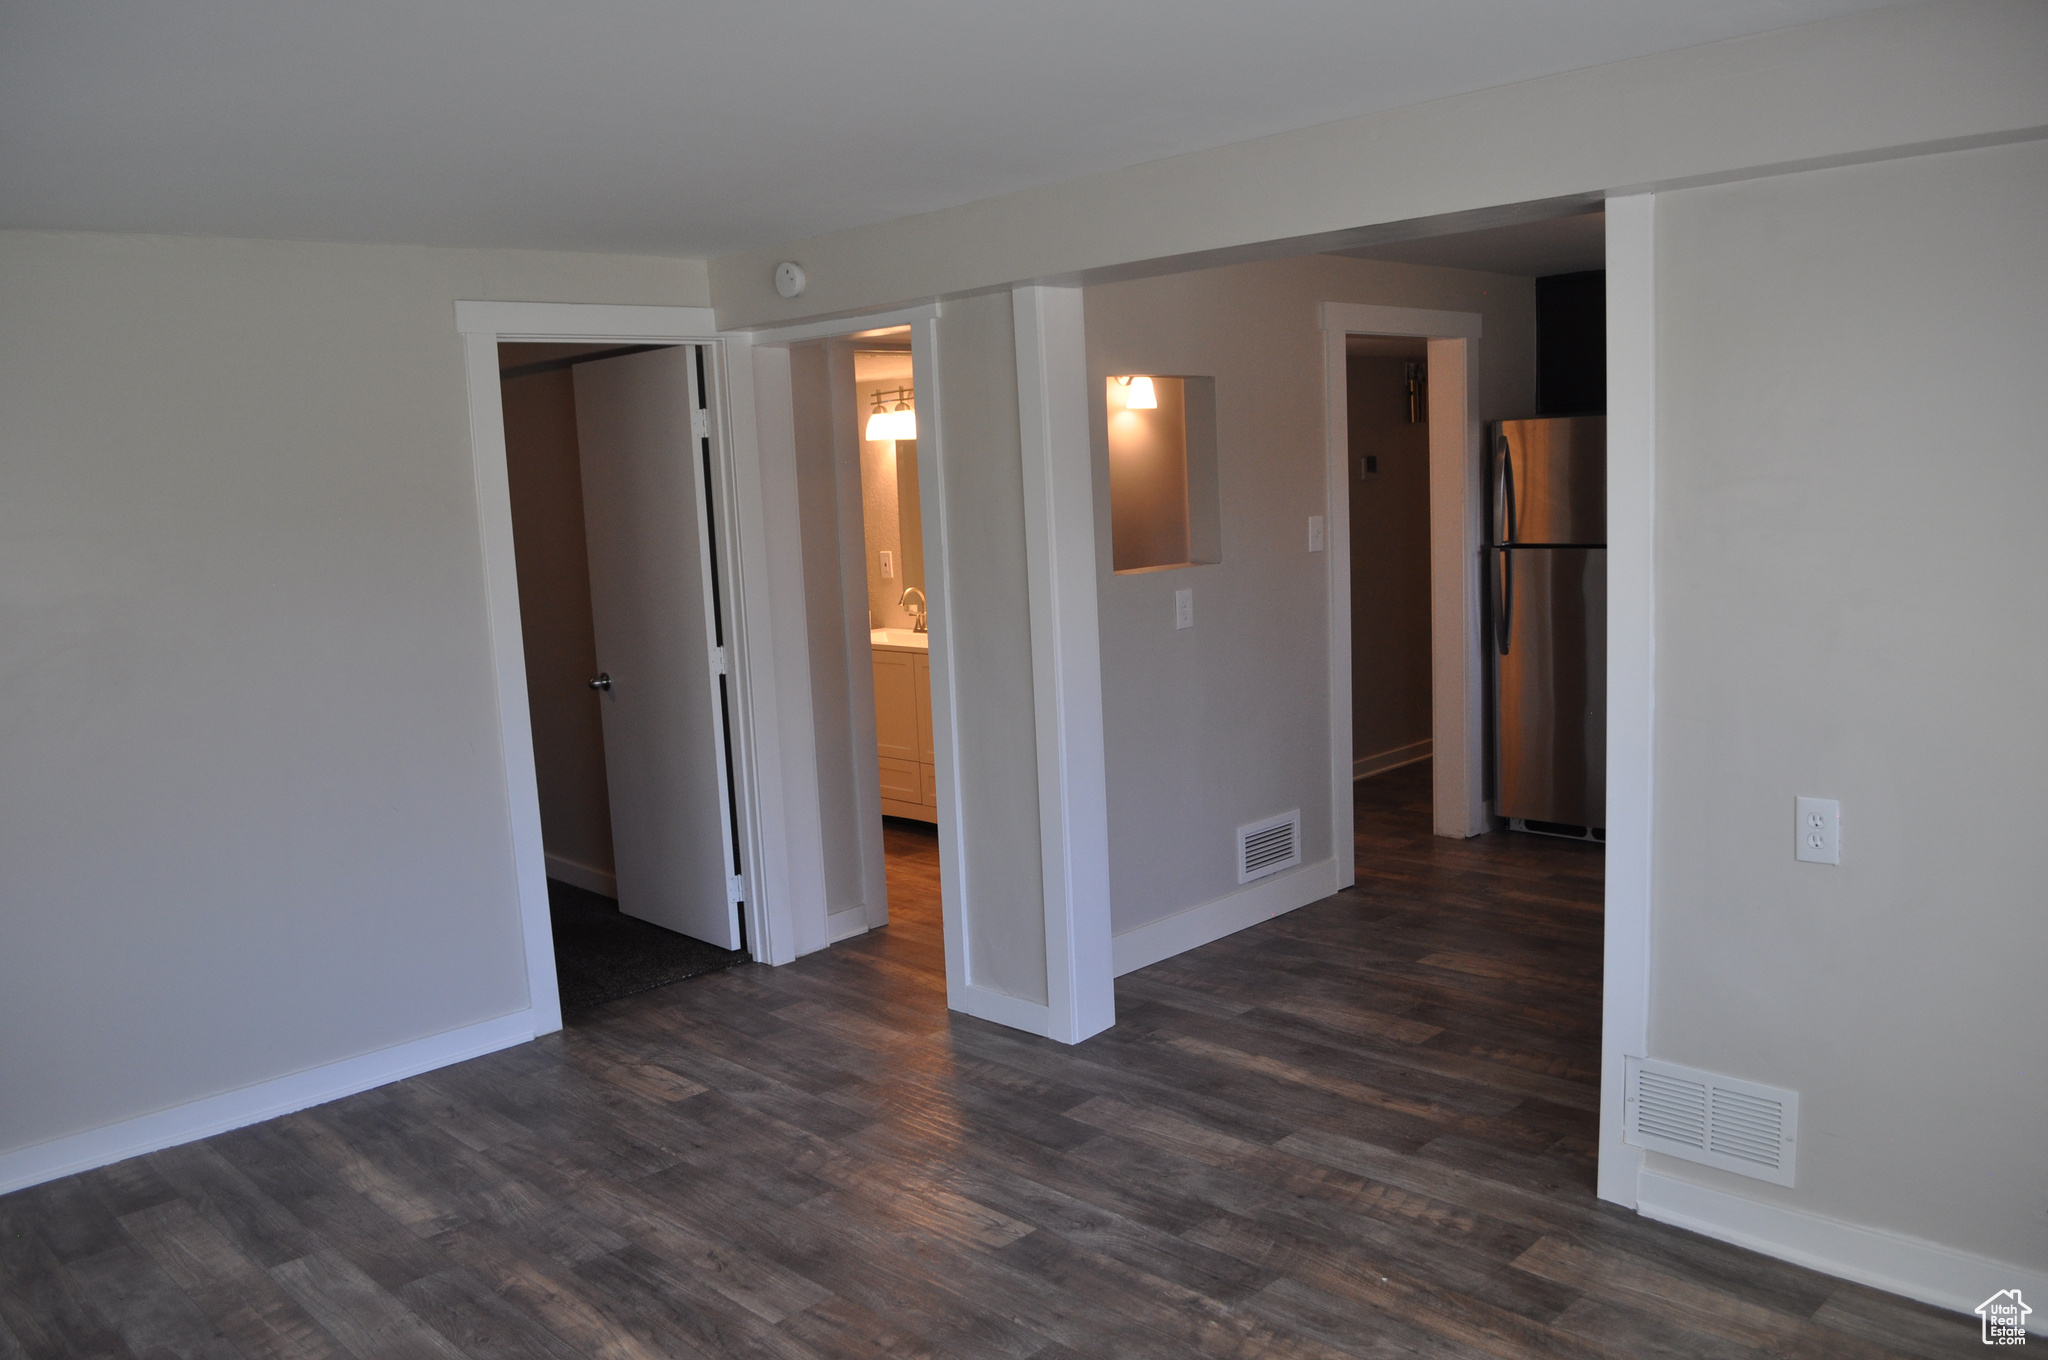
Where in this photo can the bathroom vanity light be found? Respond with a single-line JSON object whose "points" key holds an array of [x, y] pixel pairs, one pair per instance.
{"points": [[1138, 393], [900, 423]]}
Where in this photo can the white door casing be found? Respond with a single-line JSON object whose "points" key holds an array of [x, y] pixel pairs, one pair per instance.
{"points": [[653, 611], [757, 738]]}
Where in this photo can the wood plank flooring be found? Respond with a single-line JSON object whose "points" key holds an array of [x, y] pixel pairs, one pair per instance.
{"points": [[1363, 1129]]}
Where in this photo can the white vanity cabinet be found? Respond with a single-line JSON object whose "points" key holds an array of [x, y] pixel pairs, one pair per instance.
{"points": [[903, 724]]}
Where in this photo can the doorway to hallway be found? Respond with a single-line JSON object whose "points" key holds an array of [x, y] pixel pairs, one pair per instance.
{"points": [[622, 622]]}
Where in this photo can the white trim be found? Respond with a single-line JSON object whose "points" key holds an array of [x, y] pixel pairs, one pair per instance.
{"points": [[844, 925], [582, 876], [829, 330], [790, 862], [483, 326], [1066, 661], [1003, 1009], [933, 499], [1262, 901], [1927, 1271], [1456, 502], [583, 321], [923, 323], [508, 656], [210, 1115], [1360, 318], [1631, 672], [1337, 584], [768, 806], [1391, 759]]}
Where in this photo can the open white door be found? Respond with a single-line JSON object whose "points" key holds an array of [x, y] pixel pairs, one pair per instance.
{"points": [[643, 436]]}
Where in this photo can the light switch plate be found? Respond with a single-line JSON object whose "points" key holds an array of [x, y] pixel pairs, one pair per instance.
{"points": [[1183, 608], [1315, 533], [1820, 831], [888, 565]]}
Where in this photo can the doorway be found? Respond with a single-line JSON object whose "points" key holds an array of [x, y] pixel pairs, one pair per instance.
{"points": [[1386, 400], [622, 610], [855, 414]]}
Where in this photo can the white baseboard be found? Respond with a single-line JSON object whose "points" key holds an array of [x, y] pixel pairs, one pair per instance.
{"points": [[583, 876], [844, 925], [1391, 760], [1185, 930], [1919, 1269], [1002, 1009], [203, 1118]]}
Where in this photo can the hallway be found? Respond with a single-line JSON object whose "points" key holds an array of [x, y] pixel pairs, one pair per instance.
{"points": [[1361, 1129]]}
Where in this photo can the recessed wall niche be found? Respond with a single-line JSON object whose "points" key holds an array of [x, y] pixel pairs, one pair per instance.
{"points": [[1162, 471]]}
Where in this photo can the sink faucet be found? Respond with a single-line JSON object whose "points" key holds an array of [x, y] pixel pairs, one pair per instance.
{"points": [[917, 609]]}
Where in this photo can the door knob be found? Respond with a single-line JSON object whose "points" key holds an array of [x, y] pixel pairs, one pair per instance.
{"points": [[603, 681]]}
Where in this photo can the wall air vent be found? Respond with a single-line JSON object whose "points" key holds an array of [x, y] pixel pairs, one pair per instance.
{"points": [[1269, 846], [1714, 1120]]}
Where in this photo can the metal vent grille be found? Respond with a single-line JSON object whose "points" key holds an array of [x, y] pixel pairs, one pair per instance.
{"points": [[1720, 1121], [1269, 846]]}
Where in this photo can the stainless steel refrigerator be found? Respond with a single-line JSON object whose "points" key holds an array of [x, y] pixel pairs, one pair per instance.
{"points": [[1547, 578]]}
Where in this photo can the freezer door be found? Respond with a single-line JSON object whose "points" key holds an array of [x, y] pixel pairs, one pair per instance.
{"points": [[1550, 683], [1550, 480]]}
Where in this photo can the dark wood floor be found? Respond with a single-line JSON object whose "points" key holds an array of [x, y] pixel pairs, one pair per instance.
{"points": [[1363, 1129]]}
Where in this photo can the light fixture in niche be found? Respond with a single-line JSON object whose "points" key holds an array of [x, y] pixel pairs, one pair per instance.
{"points": [[1139, 394], [898, 423]]}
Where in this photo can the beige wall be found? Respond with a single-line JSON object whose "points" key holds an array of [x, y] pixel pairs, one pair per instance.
{"points": [[254, 818], [554, 615], [1851, 477], [1209, 728], [1390, 664]]}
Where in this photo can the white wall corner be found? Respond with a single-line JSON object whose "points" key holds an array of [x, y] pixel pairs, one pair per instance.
{"points": [[771, 687], [1061, 562], [1631, 672], [205, 1117]]}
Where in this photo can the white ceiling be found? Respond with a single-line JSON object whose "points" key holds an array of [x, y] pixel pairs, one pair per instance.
{"points": [[685, 127]]}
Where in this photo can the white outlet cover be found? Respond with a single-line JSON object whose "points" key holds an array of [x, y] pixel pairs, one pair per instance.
{"points": [[1183, 609], [1820, 831]]}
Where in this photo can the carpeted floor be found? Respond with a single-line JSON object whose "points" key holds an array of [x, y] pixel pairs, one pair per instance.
{"points": [[602, 954]]}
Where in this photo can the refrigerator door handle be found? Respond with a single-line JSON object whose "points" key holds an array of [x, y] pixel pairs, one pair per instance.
{"points": [[1504, 496], [1503, 583]]}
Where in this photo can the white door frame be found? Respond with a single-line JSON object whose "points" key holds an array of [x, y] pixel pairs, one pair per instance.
{"points": [[1631, 673], [483, 325], [1456, 507], [1066, 664]]}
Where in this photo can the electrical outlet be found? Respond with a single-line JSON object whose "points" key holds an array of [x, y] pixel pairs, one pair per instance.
{"points": [[1183, 609], [888, 565], [1820, 831], [1315, 533]]}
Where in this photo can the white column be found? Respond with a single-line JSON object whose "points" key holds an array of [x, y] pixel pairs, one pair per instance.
{"points": [[1631, 667], [1059, 529]]}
